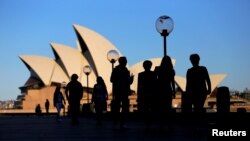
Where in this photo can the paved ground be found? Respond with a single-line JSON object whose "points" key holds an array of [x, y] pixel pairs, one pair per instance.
{"points": [[46, 128]]}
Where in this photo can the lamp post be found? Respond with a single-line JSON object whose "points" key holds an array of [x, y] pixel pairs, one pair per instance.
{"points": [[87, 70], [112, 56], [164, 25]]}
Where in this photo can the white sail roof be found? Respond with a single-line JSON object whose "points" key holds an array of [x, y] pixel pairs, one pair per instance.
{"points": [[45, 68]]}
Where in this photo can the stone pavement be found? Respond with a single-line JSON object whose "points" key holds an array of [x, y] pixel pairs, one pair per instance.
{"points": [[46, 128]]}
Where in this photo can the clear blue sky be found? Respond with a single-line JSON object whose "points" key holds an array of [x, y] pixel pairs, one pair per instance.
{"points": [[218, 30]]}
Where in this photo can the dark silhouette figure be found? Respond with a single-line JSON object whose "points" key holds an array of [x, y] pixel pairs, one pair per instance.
{"points": [[59, 102], [198, 84], [165, 74], [38, 110], [145, 92], [47, 106], [99, 98], [121, 81], [74, 93]]}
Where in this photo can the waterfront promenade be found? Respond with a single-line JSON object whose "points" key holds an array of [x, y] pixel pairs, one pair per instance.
{"points": [[43, 128], [46, 128]]}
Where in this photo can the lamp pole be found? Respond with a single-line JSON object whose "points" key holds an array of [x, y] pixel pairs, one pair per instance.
{"points": [[112, 57], [87, 70], [164, 25]]}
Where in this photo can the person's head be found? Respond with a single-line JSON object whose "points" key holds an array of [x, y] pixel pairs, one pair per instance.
{"points": [[58, 88], [147, 65], [166, 62], [74, 77], [122, 61], [99, 80], [194, 58]]}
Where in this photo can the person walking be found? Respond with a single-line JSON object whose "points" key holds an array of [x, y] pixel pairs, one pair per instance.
{"points": [[74, 94], [198, 84], [47, 104], [38, 110], [165, 74], [145, 92], [121, 81], [99, 98], [59, 102]]}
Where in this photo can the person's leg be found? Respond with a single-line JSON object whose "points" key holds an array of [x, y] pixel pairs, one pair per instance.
{"points": [[125, 111], [58, 108], [59, 113], [169, 115], [75, 109], [116, 103], [198, 105], [98, 112], [147, 112]]}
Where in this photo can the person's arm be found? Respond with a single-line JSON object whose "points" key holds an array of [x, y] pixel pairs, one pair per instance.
{"points": [[106, 92], [63, 99], [208, 82], [93, 95], [173, 84], [112, 78], [188, 82], [139, 87], [67, 92], [54, 99], [131, 78], [81, 96]]}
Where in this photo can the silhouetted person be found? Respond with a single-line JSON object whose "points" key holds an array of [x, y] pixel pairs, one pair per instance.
{"points": [[59, 102], [38, 110], [165, 74], [47, 106], [145, 92], [99, 98], [198, 84], [166, 85], [74, 93], [121, 80]]}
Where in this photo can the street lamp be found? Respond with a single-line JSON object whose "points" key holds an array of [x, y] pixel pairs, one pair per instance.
{"points": [[87, 70], [112, 56], [164, 25]]}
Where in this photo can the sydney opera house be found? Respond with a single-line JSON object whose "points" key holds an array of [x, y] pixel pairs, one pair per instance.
{"points": [[91, 49]]}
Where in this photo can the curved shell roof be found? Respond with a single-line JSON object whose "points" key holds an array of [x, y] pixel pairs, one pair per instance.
{"points": [[73, 61], [95, 50], [45, 68]]}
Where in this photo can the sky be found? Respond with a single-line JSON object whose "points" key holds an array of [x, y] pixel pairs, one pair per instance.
{"points": [[218, 30]]}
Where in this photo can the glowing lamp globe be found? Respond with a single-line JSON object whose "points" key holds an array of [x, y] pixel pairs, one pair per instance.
{"points": [[164, 25], [87, 69], [112, 56]]}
